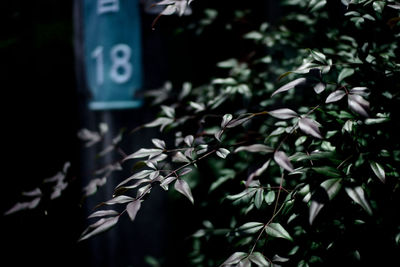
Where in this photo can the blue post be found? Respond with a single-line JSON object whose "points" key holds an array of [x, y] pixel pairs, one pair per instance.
{"points": [[112, 47]]}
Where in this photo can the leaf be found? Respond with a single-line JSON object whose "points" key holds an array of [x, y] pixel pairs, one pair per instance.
{"points": [[235, 258], [378, 6], [251, 227], [258, 259], [179, 157], [185, 171], [320, 4], [119, 200], [332, 187], [101, 226], [396, 6], [197, 106], [219, 134], [270, 197], [226, 119], [33, 193], [257, 172], [378, 170], [327, 171], [318, 56], [359, 91], [189, 140], [182, 187], [222, 152], [315, 208], [259, 198], [102, 213], [319, 87], [158, 143], [23, 206], [244, 263], [144, 152], [226, 174], [358, 104], [169, 111], [238, 121], [357, 194], [164, 184], [283, 113], [163, 122], [133, 208], [310, 127], [288, 86], [139, 175], [344, 73], [282, 160], [276, 230], [335, 96], [255, 148]]}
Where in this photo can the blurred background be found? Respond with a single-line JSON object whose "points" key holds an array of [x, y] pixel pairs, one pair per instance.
{"points": [[46, 102]]}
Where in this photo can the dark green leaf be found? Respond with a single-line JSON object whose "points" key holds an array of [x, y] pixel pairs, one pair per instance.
{"points": [[235, 258], [276, 230], [378, 170], [259, 198], [344, 73], [251, 227], [255, 148], [357, 194], [327, 171], [270, 197], [332, 187], [258, 259]]}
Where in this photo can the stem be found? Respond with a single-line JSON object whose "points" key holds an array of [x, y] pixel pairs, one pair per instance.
{"points": [[274, 214]]}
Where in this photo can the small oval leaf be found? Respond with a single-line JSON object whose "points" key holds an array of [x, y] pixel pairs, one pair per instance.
{"points": [[335, 96]]}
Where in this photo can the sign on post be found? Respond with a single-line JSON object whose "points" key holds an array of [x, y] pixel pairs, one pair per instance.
{"points": [[112, 48]]}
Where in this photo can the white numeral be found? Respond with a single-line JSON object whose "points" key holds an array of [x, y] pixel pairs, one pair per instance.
{"points": [[121, 68]]}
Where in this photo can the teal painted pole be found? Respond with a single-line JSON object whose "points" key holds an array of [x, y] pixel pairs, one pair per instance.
{"points": [[113, 53]]}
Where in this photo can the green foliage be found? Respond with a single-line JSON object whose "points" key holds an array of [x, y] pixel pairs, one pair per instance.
{"points": [[297, 142]]}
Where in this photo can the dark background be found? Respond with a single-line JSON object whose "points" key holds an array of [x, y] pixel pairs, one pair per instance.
{"points": [[44, 105]]}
